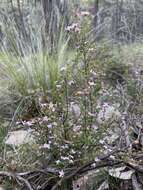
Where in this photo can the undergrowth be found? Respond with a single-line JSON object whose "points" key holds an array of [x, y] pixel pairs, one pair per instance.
{"points": [[59, 95]]}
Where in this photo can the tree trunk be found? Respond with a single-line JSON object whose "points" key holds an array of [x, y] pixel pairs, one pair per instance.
{"points": [[96, 9]]}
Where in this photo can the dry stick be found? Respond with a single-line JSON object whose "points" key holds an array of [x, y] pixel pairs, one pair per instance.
{"points": [[20, 176], [136, 185], [53, 171], [87, 167], [44, 185], [136, 167], [16, 176], [27, 184], [104, 162]]}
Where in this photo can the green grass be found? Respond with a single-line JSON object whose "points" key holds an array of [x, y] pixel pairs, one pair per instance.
{"points": [[3, 133], [27, 64], [38, 70]]}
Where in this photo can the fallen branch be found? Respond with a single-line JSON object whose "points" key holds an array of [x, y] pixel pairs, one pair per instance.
{"points": [[17, 177], [102, 161], [85, 168], [138, 168], [135, 184]]}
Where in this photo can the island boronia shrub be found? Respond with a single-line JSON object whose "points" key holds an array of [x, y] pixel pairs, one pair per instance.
{"points": [[57, 96]]}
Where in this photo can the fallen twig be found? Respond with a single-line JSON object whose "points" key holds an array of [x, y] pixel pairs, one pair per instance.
{"points": [[136, 185], [17, 177]]}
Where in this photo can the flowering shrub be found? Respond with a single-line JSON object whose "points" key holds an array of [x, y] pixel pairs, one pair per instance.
{"points": [[66, 102]]}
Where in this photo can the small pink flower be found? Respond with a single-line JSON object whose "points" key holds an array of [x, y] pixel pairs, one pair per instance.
{"points": [[50, 126], [43, 105], [82, 13], [27, 123], [91, 83], [77, 30], [73, 28], [68, 28], [85, 13], [96, 159], [51, 107], [76, 128], [71, 82], [45, 118], [46, 146], [61, 173], [94, 127], [93, 73]]}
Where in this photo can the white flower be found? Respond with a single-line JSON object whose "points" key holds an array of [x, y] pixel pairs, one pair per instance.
{"points": [[55, 124], [96, 159], [85, 13], [63, 69], [112, 157], [94, 127], [58, 86], [58, 162], [91, 49], [64, 158], [45, 119], [51, 106], [72, 151], [50, 126], [50, 142], [73, 28], [76, 128], [64, 146], [101, 141], [18, 122], [93, 72], [43, 105], [105, 147], [71, 82], [46, 146], [91, 83], [61, 173], [27, 123], [68, 28]]}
